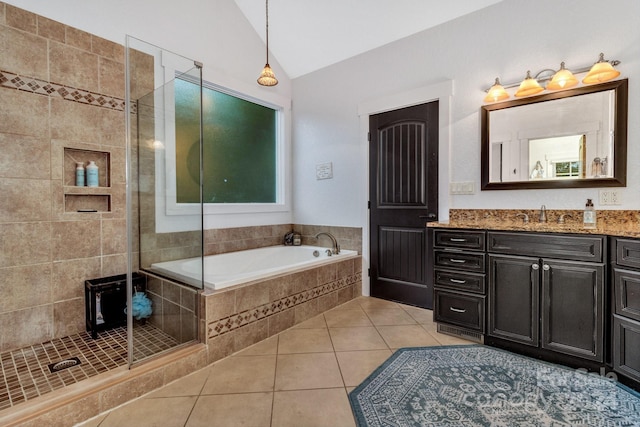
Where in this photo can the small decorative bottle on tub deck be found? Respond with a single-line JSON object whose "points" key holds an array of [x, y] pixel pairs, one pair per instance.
{"points": [[92, 174], [79, 174], [589, 215]]}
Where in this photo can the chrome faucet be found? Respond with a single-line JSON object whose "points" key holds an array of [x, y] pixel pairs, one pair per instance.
{"points": [[543, 214], [336, 246], [525, 217]]}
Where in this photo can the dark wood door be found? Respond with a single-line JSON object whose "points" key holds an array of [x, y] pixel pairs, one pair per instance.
{"points": [[573, 308], [403, 191], [514, 291]]}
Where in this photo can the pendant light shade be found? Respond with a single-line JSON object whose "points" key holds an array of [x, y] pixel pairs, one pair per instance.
{"points": [[267, 77], [496, 93], [601, 71], [529, 86], [562, 79]]}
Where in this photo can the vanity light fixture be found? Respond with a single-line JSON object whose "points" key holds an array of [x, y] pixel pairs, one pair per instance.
{"points": [[496, 93], [563, 79], [529, 86], [602, 71], [267, 77]]}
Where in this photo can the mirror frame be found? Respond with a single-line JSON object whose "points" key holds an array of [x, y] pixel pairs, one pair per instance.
{"points": [[619, 144]]}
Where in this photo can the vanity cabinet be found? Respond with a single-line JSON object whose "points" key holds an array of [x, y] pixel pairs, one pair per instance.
{"points": [[459, 260], [547, 291], [626, 307]]}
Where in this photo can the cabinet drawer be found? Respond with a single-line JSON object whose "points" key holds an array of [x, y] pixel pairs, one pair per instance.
{"points": [[574, 248], [459, 309], [466, 261], [626, 342], [628, 253], [462, 281], [462, 239], [627, 293]]}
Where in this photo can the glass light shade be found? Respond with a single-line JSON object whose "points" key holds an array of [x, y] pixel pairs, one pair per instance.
{"points": [[601, 71], [563, 79], [529, 86], [267, 77], [496, 93]]}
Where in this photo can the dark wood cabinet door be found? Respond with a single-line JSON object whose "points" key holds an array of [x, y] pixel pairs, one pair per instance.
{"points": [[514, 309], [573, 308]]}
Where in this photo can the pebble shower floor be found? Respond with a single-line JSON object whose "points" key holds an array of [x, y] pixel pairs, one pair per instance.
{"points": [[25, 374]]}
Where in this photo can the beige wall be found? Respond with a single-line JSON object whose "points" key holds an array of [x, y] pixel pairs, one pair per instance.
{"points": [[59, 87]]}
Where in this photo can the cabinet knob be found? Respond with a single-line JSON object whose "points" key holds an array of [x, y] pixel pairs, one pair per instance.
{"points": [[535, 266], [546, 267]]}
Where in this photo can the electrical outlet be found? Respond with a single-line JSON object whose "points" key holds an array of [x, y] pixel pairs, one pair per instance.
{"points": [[609, 197], [615, 197]]}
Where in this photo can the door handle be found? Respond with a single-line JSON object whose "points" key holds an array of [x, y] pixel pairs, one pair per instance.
{"points": [[454, 239], [457, 281], [459, 261], [457, 310], [428, 216]]}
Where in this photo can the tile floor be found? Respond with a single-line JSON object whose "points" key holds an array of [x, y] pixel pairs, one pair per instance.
{"points": [[299, 378], [24, 373]]}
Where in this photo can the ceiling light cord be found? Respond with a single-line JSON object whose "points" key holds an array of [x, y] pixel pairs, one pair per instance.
{"points": [[267, 77]]}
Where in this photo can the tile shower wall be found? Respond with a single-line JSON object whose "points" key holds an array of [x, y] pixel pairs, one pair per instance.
{"points": [[59, 87]]}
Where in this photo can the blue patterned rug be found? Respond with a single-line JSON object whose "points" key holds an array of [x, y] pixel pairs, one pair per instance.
{"points": [[476, 385]]}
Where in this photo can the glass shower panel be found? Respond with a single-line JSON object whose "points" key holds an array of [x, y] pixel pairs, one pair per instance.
{"points": [[162, 230]]}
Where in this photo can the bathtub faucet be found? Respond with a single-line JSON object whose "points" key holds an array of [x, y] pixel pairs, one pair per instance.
{"points": [[336, 246]]}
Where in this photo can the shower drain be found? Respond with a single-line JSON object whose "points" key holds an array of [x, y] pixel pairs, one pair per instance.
{"points": [[63, 364]]}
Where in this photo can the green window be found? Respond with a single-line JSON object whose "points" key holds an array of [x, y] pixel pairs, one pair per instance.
{"points": [[239, 150], [567, 169]]}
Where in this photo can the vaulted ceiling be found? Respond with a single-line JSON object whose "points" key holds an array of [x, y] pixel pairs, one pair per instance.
{"points": [[306, 35]]}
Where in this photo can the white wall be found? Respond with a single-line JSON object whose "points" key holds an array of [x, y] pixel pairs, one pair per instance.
{"points": [[504, 40]]}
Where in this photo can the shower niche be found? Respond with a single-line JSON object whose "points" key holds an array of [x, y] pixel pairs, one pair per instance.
{"points": [[85, 199]]}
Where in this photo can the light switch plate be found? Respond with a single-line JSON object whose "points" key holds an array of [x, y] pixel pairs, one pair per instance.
{"points": [[324, 170], [466, 187]]}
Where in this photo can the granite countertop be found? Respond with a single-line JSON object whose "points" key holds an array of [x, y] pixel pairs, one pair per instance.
{"points": [[624, 223]]}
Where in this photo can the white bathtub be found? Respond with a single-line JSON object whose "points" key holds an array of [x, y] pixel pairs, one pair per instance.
{"points": [[233, 268]]}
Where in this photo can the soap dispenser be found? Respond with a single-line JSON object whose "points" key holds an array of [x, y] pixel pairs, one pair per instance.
{"points": [[79, 174], [92, 174], [589, 215]]}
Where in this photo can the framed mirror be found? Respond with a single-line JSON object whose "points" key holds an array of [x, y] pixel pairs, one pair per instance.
{"points": [[569, 139]]}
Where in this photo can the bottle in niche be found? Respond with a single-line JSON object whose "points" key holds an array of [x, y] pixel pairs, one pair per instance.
{"points": [[79, 174], [92, 174], [589, 215]]}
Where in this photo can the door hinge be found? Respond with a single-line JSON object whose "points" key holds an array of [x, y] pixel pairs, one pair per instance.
{"points": [[369, 136], [369, 272], [369, 204]]}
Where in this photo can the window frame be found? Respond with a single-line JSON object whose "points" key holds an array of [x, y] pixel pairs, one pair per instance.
{"points": [[172, 216]]}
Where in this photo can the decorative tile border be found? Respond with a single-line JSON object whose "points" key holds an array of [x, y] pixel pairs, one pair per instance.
{"points": [[235, 321], [40, 87]]}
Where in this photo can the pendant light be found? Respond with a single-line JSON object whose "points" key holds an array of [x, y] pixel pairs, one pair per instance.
{"points": [[562, 79], [496, 93], [601, 71], [529, 86], [267, 77]]}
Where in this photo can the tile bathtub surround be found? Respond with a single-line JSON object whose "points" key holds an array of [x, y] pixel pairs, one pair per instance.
{"points": [[60, 87], [174, 308], [611, 222], [240, 316]]}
